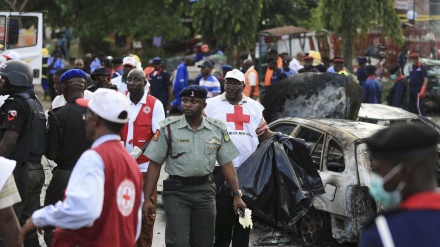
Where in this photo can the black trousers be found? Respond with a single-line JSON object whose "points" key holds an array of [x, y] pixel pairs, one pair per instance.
{"points": [[54, 193], [29, 178], [227, 227], [415, 104]]}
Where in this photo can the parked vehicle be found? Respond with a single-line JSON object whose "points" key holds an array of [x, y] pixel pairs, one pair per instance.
{"points": [[23, 33], [344, 165]]}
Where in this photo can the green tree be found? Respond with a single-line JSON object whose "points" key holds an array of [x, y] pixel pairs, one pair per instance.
{"points": [[233, 23], [276, 13], [353, 18]]}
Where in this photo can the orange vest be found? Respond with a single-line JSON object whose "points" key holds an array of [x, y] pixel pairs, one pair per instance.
{"points": [[142, 127], [247, 88], [269, 72]]}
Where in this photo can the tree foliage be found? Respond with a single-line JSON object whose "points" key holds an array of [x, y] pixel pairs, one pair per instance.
{"points": [[276, 13], [233, 23], [352, 18]]}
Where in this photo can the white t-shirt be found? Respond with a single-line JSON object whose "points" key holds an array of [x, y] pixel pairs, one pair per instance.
{"points": [[295, 65], [242, 122], [158, 115]]}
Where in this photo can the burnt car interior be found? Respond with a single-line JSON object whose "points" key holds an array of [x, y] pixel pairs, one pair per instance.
{"points": [[335, 157], [316, 141]]}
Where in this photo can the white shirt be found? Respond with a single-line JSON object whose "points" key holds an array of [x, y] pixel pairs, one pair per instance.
{"points": [[242, 122], [252, 77], [158, 115], [84, 194], [122, 86], [61, 101], [295, 65], [411, 15]]}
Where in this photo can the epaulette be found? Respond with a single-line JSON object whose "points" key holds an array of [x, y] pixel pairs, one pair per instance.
{"points": [[371, 221], [169, 120], [218, 123]]}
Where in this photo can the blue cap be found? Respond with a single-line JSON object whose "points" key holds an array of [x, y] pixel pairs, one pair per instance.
{"points": [[227, 67], [362, 60], [205, 64], [157, 60], [194, 91], [72, 73]]}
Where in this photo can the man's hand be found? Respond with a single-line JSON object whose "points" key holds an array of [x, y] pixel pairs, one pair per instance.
{"points": [[238, 203], [148, 207], [422, 92], [27, 227]]}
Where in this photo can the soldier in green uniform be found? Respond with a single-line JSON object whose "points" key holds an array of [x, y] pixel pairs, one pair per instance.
{"points": [[189, 146]]}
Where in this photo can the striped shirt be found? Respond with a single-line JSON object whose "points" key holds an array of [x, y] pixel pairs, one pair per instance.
{"points": [[211, 84], [9, 193]]}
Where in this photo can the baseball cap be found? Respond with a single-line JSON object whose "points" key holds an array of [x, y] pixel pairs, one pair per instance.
{"points": [[109, 104], [129, 61], [157, 60], [235, 74], [206, 64]]}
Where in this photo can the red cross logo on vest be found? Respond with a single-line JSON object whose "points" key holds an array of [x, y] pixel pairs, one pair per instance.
{"points": [[238, 118], [125, 197]]}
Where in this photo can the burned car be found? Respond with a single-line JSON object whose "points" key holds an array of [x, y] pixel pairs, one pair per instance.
{"points": [[386, 115], [343, 163]]}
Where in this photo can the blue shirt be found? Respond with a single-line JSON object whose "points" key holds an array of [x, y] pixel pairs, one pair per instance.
{"points": [[59, 64], [159, 84], [331, 69], [416, 75], [197, 80], [94, 65], [211, 84], [397, 93], [180, 82], [372, 91], [277, 76], [361, 75], [289, 72]]}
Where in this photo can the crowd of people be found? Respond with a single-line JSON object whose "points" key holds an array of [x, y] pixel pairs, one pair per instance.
{"points": [[108, 133]]}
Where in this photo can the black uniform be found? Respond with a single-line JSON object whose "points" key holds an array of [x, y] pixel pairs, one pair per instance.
{"points": [[23, 113], [67, 141]]}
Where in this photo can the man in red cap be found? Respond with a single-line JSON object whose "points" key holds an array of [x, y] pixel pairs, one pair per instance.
{"points": [[339, 66], [418, 80]]}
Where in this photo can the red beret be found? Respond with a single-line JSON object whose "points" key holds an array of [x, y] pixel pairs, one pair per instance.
{"points": [[414, 55]]}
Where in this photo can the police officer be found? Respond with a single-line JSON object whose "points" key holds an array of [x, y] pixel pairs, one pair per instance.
{"points": [[160, 82], [404, 181], [66, 135], [418, 80], [189, 145], [398, 93], [22, 135], [101, 78]]}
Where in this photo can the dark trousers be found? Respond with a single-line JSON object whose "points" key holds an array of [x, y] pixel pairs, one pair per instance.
{"points": [[146, 237], [190, 216], [415, 104], [55, 192], [29, 178], [227, 226]]}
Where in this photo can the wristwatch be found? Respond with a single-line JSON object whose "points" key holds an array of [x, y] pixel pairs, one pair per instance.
{"points": [[236, 193]]}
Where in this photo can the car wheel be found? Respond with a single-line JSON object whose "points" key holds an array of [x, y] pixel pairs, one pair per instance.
{"points": [[315, 227]]}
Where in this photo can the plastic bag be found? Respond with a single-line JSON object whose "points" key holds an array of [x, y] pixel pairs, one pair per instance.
{"points": [[279, 181]]}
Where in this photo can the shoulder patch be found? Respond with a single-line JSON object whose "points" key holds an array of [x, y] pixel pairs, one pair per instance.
{"points": [[169, 120], [218, 123]]}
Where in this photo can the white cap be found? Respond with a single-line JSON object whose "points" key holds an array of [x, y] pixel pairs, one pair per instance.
{"points": [[11, 55], [109, 104], [235, 74], [130, 61]]}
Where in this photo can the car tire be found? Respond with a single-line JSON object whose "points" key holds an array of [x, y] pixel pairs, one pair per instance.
{"points": [[314, 228]]}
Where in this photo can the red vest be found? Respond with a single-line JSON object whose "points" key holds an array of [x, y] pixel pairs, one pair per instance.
{"points": [[142, 127], [117, 224]]}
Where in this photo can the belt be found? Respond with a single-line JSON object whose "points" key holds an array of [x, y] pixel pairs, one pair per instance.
{"points": [[191, 181]]}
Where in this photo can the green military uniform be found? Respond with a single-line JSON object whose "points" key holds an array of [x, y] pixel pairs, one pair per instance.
{"points": [[190, 209]]}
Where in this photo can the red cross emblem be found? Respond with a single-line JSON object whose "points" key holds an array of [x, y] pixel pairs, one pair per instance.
{"points": [[238, 117], [126, 197]]}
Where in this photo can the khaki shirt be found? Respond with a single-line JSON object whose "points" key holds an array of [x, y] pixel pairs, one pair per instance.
{"points": [[199, 150]]}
